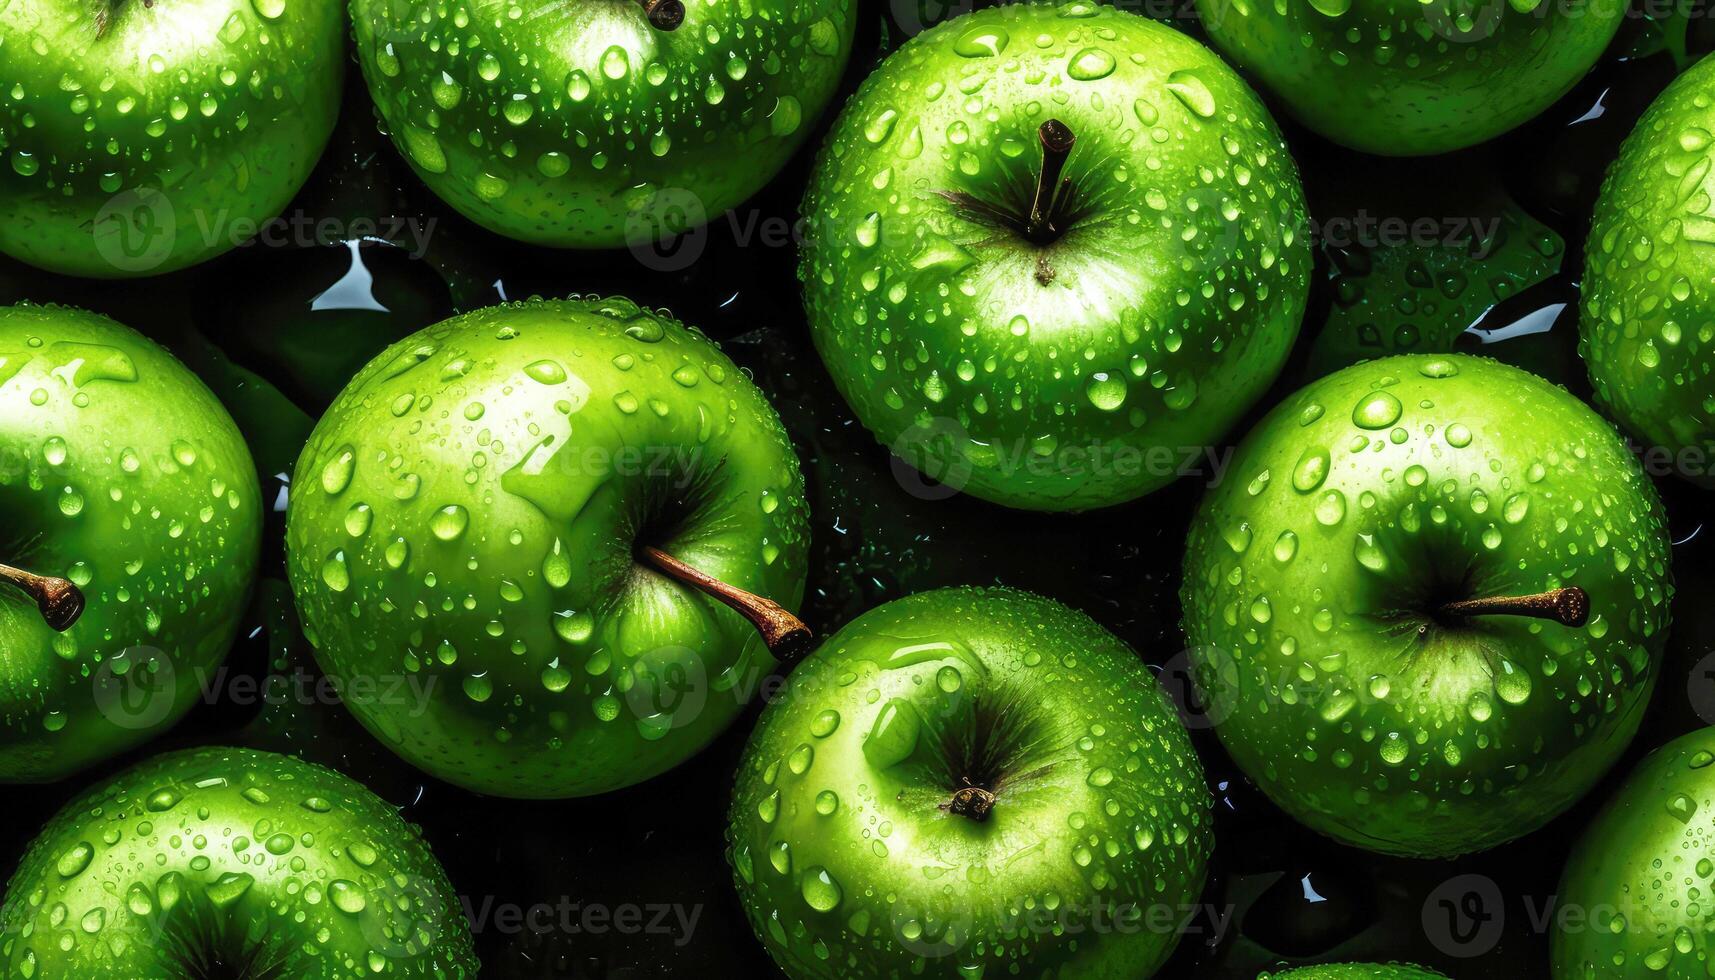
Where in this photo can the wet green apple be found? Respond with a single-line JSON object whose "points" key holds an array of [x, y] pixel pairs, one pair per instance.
{"points": [[1413, 77], [1634, 897], [126, 495], [1646, 327], [142, 137], [1050, 247], [1355, 971], [1427, 605], [970, 782], [469, 540], [226, 862], [595, 124]]}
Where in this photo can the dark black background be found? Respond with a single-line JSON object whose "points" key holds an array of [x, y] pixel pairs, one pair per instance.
{"points": [[244, 323]]}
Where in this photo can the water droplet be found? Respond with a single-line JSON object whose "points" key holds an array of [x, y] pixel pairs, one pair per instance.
{"points": [[1311, 470], [821, 891], [1377, 410], [449, 522], [894, 736], [1091, 64], [1192, 91]]}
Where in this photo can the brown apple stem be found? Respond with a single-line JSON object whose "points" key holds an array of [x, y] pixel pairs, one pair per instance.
{"points": [[1569, 606], [1057, 140], [664, 15], [60, 602], [787, 637]]}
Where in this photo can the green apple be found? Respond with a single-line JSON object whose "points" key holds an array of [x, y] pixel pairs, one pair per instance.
{"points": [[586, 124], [225, 862], [470, 529], [1049, 246], [1634, 897], [1646, 329], [126, 494], [1413, 77], [966, 783], [1355, 971], [1427, 605], [142, 137]]}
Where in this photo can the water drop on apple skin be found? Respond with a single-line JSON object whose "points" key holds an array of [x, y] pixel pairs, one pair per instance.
{"points": [[311, 871], [842, 854], [1343, 698], [1045, 386], [487, 558]]}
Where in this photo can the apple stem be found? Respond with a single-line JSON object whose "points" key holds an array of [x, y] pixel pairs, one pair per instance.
{"points": [[60, 602], [664, 15], [787, 637], [1057, 140], [1568, 606]]}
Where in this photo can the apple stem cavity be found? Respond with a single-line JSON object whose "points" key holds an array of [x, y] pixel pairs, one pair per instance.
{"points": [[787, 637], [664, 15], [1569, 606], [1057, 140], [1044, 222], [60, 602]]}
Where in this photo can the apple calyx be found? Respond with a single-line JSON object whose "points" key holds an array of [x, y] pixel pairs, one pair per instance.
{"points": [[1569, 606], [971, 801], [787, 637], [664, 15], [60, 602]]}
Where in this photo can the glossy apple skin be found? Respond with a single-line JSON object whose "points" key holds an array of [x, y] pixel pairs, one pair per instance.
{"points": [[464, 522], [1638, 879], [235, 858], [158, 144], [1355, 971], [1412, 78], [848, 867], [1645, 327], [580, 125], [121, 472], [1380, 492], [1177, 291]]}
